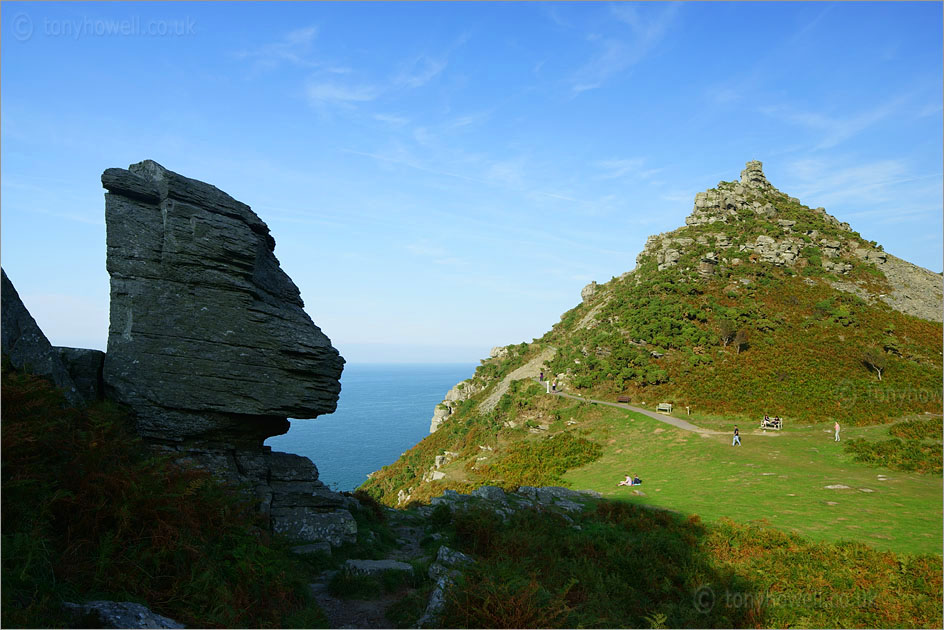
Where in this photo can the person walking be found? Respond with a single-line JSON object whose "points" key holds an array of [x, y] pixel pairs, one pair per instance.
{"points": [[737, 438], [541, 377], [554, 386], [836, 429]]}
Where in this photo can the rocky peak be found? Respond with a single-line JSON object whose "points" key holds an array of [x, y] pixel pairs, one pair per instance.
{"points": [[753, 176]]}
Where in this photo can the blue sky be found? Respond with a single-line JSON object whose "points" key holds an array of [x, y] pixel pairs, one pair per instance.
{"points": [[444, 178]]}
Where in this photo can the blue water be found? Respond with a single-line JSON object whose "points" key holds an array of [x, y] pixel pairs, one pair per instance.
{"points": [[384, 409]]}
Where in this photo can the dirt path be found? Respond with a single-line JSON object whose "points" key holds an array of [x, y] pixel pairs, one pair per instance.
{"points": [[371, 613], [531, 369], [675, 422]]}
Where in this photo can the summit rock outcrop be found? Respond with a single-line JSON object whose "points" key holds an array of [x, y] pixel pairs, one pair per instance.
{"points": [[209, 343]]}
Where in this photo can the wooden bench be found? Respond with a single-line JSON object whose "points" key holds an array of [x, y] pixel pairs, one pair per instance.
{"points": [[664, 408], [624, 399]]}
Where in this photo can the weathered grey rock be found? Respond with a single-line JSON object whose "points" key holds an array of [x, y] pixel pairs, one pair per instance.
{"points": [[210, 345], [434, 475], [830, 248], [202, 317], [304, 524], [376, 567], [458, 394], [498, 352], [85, 368], [915, 290], [321, 547], [753, 176], [25, 344], [587, 293], [106, 614], [551, 494], [444, 571], [491, 493]]}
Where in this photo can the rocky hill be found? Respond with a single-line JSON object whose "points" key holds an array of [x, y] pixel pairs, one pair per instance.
{"points": [[758, 305]]}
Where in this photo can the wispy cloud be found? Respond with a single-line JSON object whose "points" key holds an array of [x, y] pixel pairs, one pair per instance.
{"points": [[392, 119], [334, 93], [470, 119], [420, 71], [821, 182], [508, 174], [294, 48], [612, 169], [837, 129], [412, 74], [617, 55]]}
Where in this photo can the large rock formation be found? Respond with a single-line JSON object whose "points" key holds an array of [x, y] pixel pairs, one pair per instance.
{"points": [[25, 345], [209, 343]]}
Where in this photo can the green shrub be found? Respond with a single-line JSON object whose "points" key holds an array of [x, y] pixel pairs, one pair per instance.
{"points": [[907, 455], [541, 462], [917, 429]]}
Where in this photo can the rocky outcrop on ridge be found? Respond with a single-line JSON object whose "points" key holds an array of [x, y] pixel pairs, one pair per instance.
{"points": [[454, 397], [717, 212], [209, 343]]}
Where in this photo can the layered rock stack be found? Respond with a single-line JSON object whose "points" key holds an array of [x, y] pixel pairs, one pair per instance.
{"points": [[209, 343]]}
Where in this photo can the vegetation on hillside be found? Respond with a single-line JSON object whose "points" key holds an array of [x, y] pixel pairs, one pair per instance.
{"points": [[915, 446], [89, 513], [524, 440], [753, 337], [626, 566]]}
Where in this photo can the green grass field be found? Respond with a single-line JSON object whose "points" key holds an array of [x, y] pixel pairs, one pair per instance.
{"points": [[777, 477]]}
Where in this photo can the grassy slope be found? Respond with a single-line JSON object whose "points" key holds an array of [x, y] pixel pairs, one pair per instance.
{"points": [[705, 475], [687, 472]]}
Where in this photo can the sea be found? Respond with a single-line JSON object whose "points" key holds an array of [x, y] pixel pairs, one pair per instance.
{"points": [[383, 410]]}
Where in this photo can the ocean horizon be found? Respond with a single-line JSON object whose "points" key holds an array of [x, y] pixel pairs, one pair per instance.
{"points": [[384, 409]]}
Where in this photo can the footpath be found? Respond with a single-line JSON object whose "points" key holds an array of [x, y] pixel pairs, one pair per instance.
{"points": [[675, 422]]}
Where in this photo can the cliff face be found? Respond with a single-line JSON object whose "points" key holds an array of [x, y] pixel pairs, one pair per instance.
{"points": [[209, 343]]}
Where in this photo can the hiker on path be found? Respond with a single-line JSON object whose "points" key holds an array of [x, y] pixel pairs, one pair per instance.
{"points": [[836, 429], [554, 386], [737, 437], [541, 377]]}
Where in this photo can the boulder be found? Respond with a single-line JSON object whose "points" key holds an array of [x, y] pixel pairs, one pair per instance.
{"points": [[106, 614], [25, 344], [303, 524], [376, 567], [85, 368], [210, 346], [587, 293]]}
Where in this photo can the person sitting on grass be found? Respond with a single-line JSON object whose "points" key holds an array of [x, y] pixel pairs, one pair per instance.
{"points": [[636, 480], [627, 482]]}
